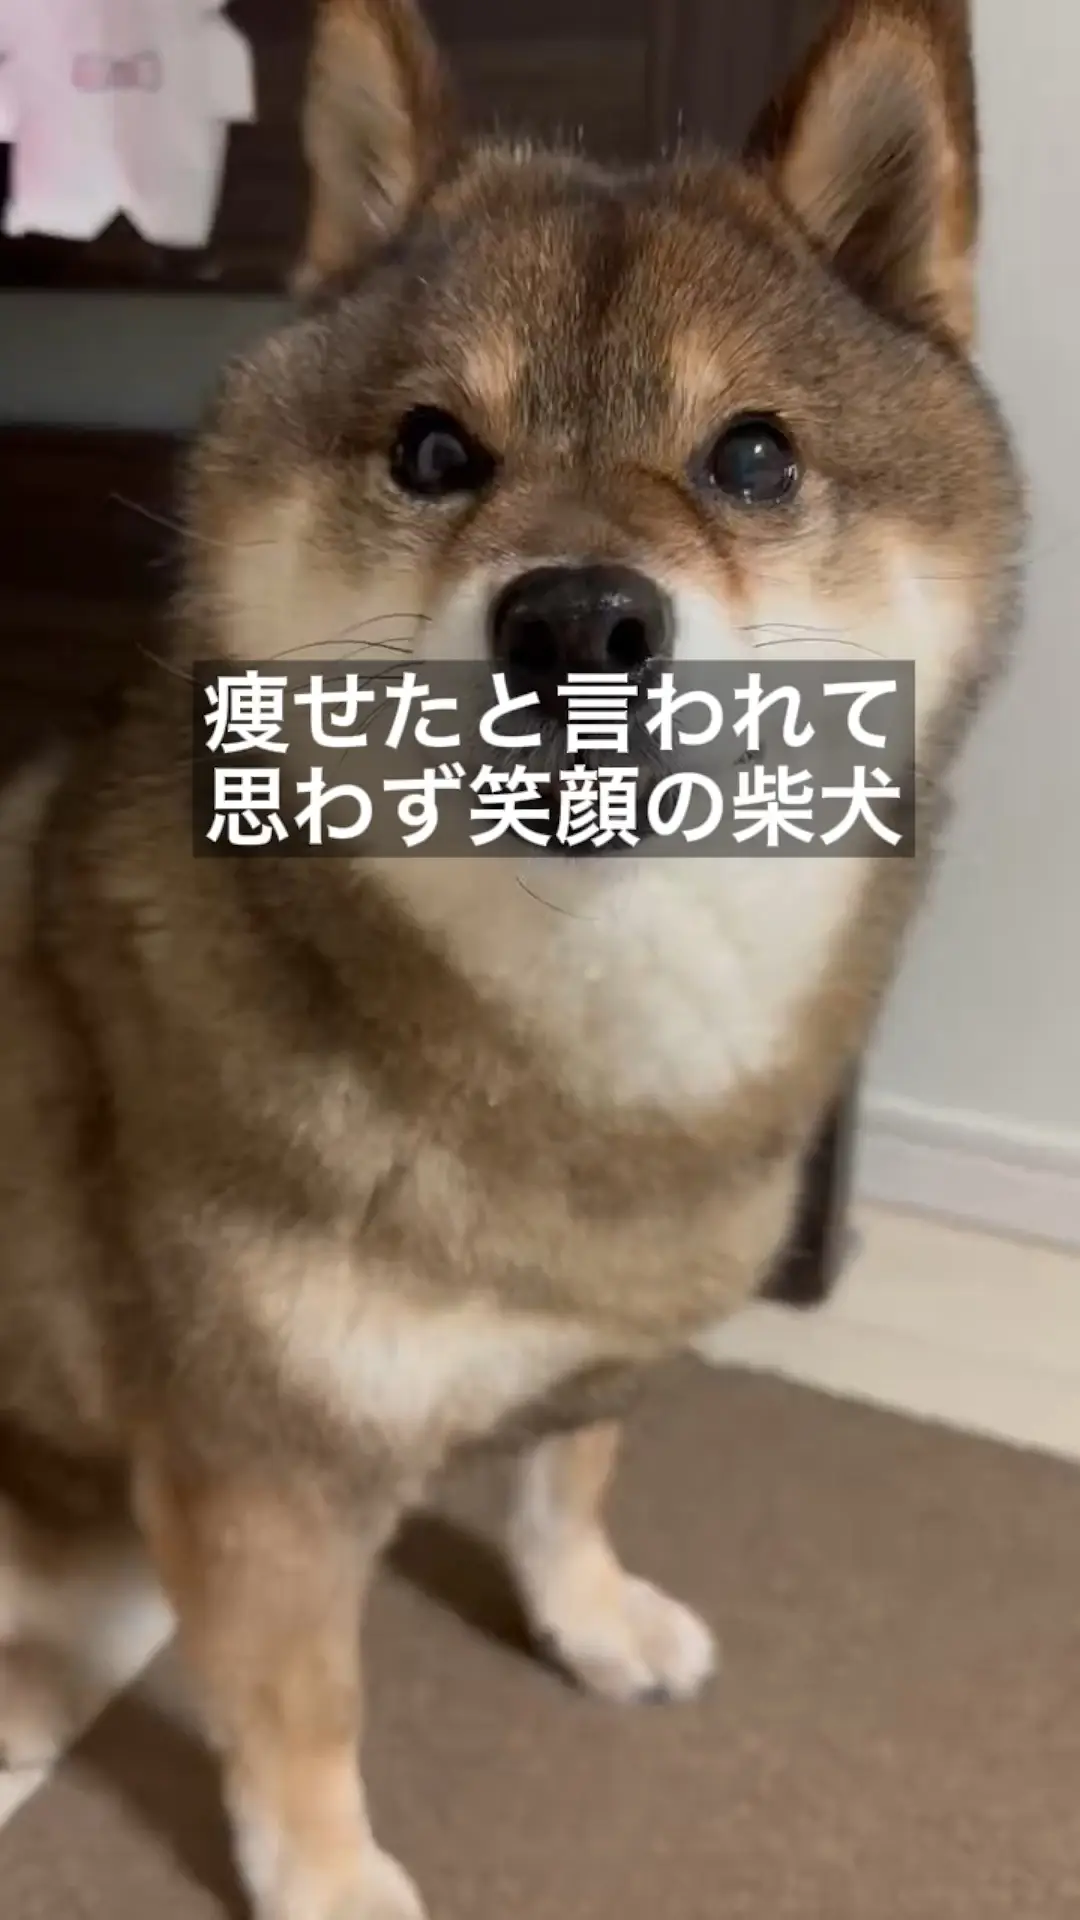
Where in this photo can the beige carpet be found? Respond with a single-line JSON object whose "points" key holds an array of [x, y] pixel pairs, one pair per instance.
{"points": [[896, 1735]]}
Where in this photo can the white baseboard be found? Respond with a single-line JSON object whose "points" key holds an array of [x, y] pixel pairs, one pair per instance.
{"points": [[1000, 1177]]}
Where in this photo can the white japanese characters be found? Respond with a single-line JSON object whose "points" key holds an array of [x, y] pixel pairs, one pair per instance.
{"points": [[601, 794]]}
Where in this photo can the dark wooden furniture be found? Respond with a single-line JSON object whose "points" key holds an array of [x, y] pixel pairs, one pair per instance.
{"points": [[86, 542], [626, 77]]}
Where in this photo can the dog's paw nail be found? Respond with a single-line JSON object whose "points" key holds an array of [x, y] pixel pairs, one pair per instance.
{"points": [[657, 1696]]}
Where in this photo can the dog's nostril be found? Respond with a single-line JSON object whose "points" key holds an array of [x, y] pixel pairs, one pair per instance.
{"points": [[628, 643], [533, 647], [599, 617]]}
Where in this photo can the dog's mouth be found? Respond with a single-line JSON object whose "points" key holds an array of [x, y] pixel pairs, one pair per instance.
{"points": [[588, 801], [534, 776], [593, 802], [574, 837]]}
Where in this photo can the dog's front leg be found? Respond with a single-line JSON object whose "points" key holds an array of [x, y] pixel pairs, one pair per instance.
{"points": [[268, 1579], [616, 1634]]}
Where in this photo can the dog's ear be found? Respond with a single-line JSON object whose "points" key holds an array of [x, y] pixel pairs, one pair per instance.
{"points": [[378, 126], [874, 145]]}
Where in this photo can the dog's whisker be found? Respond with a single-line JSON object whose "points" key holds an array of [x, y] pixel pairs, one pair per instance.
{"points": [[183, 532], [790, 626], [405, 645], [167, 666], [810, 640], [552, 905]]}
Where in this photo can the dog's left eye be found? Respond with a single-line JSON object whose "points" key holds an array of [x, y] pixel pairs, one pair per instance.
{"points": [[434, 455], [753, 461]]}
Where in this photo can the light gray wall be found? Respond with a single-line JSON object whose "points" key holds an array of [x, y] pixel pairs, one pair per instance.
{"points": [[102, 359], [985, 1021]]}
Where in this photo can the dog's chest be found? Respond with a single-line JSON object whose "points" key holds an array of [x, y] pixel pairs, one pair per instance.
{"points": [[534, 1325], [485, 1285], [667, 984], [413, 1376]]}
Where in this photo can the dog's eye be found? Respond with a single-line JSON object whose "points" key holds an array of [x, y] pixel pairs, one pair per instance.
{"points": [[434, 455], [754, 462]]}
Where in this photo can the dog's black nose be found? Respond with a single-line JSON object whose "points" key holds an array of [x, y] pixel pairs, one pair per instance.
{"points": [[593, 619]]}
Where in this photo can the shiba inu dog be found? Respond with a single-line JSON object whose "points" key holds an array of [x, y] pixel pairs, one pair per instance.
{"points": [[314, 1170]]}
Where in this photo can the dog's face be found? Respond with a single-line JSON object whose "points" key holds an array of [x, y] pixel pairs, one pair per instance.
{"points": [[566, 418]]}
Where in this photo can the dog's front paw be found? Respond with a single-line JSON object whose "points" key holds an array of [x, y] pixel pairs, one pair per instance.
{"points": [[383, 1892], [621, 1637], [282, 1885], [386, 1893]]}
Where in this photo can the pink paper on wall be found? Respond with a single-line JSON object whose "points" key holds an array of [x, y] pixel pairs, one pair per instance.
{"points": [[119, 107]]}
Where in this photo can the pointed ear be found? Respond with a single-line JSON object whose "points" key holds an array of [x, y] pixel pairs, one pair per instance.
{"points": [[874, 146], [378, 124]]}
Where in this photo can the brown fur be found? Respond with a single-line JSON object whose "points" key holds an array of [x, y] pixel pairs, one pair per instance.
{"points": [[305, 1184], [378, 122]]}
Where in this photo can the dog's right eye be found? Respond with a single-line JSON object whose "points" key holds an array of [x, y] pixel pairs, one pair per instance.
{"points": [[434, 455]]}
